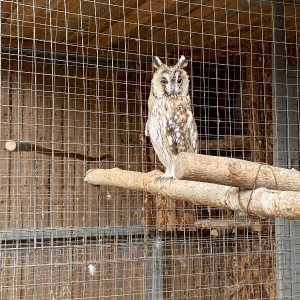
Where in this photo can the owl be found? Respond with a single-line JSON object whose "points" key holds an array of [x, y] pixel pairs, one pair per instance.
{"points": [[170, 125]]}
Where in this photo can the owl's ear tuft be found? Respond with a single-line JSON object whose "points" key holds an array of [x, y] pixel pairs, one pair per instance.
{"points": [[182, 62], [156, 62]]}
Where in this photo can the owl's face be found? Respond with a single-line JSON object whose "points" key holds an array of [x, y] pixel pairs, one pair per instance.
{"points": [[170, 82]]}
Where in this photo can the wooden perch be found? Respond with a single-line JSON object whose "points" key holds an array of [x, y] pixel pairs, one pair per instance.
{"points": [[260, 202], [235, 172], [220, 227], [229, 142], [227, 223], [25, 146]]}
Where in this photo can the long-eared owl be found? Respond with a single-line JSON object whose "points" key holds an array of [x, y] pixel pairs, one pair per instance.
{"points": [[170, 125]]}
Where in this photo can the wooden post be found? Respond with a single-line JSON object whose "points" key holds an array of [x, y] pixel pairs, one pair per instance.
{"points": [[15, 129], [5, 161], [267, 100], [56, 205], [149, 200], [253, 102], [42, 126], [26, 183]]}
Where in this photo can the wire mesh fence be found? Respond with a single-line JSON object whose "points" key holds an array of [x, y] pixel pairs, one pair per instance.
{"points": [[75, 80]]}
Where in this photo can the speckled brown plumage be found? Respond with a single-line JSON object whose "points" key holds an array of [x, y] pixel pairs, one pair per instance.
{"points": [[170, 125]]}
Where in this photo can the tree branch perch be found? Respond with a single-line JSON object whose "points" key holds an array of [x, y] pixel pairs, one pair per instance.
{"points": [[235, 172], [263, 202], [26, 146]]}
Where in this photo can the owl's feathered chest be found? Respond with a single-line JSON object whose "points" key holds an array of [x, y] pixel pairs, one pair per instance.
{"points": [[171, 127], [166, 106], [168, 117]]}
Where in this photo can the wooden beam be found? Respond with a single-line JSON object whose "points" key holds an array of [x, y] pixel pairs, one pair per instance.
{"points": [[113, 31], [260, 202], [235, 172], [31, 147], [219, 227], [260, 28], [51, 47], [267, 97], [205, 13], [253, 97], [213, 54], [244, 33], [229, 22]]}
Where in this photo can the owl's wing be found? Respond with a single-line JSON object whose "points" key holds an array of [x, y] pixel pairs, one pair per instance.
{"points": [[147, 130], [191, 124], [181, 131]]}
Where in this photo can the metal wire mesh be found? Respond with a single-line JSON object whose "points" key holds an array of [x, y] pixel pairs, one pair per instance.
{"points": [[75, 79]]}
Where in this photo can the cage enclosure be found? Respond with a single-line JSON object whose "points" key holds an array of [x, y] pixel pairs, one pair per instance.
{"points": [[75, 78]]}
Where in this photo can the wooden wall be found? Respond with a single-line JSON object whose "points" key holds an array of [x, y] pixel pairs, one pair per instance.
{"points": [[80, 108], [221, 269], [62, 273], [198, 269], [96, 109]]}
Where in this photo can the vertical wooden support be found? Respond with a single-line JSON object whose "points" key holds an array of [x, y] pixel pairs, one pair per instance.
{"points": [[149, 217], [56, 204], [14, 190], [4, 161], [14, 185], [253, 102], [26, 168], [115, 213], [80, 135], [267, 97], [42, 128], [69, 125], [77, 105], [94, 122]]}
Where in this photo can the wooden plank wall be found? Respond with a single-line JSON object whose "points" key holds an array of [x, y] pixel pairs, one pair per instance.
{"points": [[62, 272], [95, 111], [197, 270], [212, 269], [73, 108], [78, 109]]}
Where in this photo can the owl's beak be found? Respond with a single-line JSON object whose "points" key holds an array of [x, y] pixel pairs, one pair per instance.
{"points": [[173, 90]]}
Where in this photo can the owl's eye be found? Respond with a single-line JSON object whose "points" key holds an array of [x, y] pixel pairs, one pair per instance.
{"points": [[164, 81], [179, 81]]}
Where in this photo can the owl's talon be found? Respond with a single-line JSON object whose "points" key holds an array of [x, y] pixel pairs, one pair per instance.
{"points": [[158, 178], [163, 178]]}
